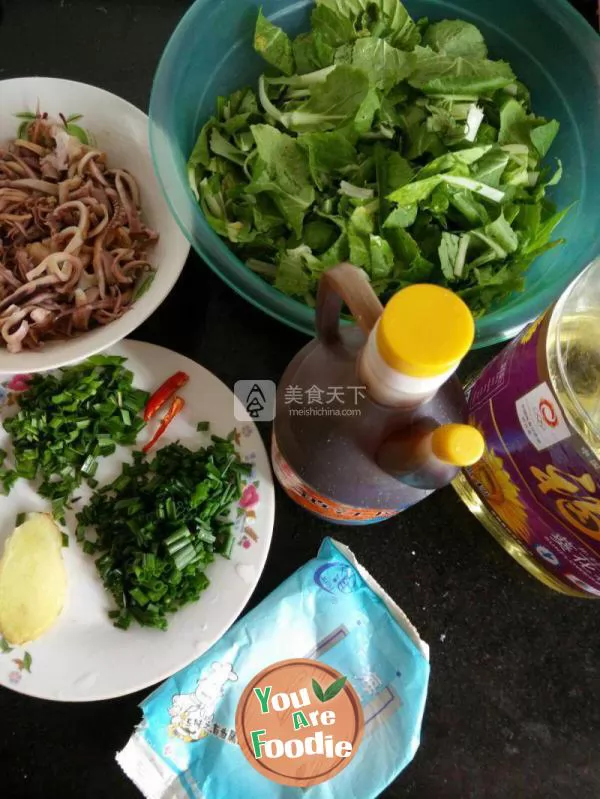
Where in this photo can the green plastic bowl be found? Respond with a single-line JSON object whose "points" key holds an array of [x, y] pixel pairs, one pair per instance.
{"points": [[551, 48]]}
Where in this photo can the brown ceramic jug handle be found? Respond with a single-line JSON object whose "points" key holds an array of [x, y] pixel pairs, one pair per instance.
{"points": [[345, 284]]}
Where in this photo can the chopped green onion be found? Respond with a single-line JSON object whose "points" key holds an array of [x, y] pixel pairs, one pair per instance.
{"points": [[227, 546], [89, 466], [66, 420], [184, 557], [159, 524]]}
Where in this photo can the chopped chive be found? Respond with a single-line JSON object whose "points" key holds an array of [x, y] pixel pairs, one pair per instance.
{"points": [[67, 420], [184, 557], [227, 546], [159, 524]]}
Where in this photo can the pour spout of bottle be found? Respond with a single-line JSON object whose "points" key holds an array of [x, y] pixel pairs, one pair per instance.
{"points": [[428, 455]]}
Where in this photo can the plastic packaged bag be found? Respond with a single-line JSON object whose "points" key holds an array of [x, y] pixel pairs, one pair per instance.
{"points": [[329, 610]]}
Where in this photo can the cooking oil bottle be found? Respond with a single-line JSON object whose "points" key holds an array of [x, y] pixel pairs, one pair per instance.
{"points": [[537, 487]]}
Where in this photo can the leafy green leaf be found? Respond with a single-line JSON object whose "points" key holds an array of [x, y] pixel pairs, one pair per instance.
{"points": [[490, 167], [328, 155], [287, 176], [404, 216], [468, 206], [363, 121], [282, 155], [332, 25], [384, 65], [319, 235], [557, 176], [338, 252], [399, 172], [27, 661], [273, 45], [543, 136], [514, 125], [387, 19], [417, 136], [455, 162], [220, 146], [454, 37], [405, 248], [519, 127], [358, 243], [201, 154], [448, 253], [544, 231], [436, 73], [312, 52], [381, 258], [332, 103], [292, 204], [297, 271], [415, 192], [499, 236]]}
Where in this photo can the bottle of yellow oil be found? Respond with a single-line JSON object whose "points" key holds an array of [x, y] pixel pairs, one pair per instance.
{"points": [[537, 488]]}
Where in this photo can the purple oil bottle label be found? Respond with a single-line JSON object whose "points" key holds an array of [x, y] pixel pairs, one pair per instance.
{"points": [[538, 477]]}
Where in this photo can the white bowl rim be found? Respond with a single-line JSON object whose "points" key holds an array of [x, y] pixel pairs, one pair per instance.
{"points": [[59, 353]]}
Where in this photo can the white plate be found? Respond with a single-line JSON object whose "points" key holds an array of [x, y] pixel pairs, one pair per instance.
{"points": [[121, 130], [83, 657]]}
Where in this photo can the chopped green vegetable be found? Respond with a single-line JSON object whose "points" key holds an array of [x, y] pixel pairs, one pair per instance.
{"points": [[159, 524], [399, 145], [69, 419], [273, 44]]}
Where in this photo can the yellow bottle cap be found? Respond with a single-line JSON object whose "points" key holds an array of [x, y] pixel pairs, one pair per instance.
{"points": [[458, 444], [425, 331]]}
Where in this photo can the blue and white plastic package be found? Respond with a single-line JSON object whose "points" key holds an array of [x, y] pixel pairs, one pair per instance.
{"points": [[330, 610]]}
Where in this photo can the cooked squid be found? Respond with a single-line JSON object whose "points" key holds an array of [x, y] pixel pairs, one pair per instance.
{"points": [[73, 243]]}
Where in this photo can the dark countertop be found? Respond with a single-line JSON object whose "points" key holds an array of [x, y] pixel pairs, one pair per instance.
{"points": [[512, 708]]}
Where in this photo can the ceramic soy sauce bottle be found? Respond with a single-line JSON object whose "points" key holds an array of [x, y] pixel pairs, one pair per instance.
{"points": [[370, 417]]}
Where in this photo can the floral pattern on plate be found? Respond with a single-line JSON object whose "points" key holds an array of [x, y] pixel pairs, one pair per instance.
{"points": [[250, 498], [23, 664]]}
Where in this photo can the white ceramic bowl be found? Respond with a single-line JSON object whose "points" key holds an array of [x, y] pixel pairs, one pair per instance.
{"points": [[121, 130]]}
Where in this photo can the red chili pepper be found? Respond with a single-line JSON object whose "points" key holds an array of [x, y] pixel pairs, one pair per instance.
{"points": [[164, 393], [175, 407]]}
